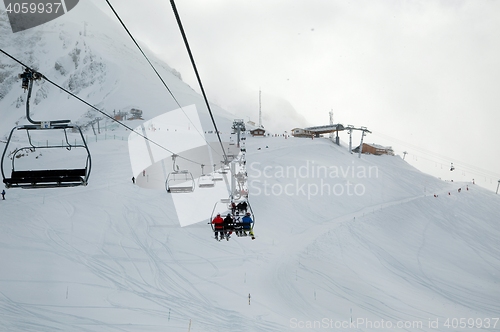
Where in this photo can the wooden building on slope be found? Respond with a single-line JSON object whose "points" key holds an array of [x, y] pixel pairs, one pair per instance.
{"points": [[375, 149]]}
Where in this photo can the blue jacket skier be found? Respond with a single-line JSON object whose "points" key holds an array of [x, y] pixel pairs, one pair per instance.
{"points": [[247, 222]]}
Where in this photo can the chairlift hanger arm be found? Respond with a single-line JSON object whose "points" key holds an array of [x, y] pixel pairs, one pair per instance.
{"points": [[29, 138], [30, 87], [28, 77], [66, 138]]}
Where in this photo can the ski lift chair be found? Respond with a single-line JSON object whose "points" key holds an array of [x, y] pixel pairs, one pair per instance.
{"points": [[205, 180], [223, 207], [224, 169], [216, 176], [179, 181], [44, 178]]}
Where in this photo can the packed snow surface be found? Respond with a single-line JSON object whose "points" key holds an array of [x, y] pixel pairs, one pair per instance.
{"points": [[112, 256]]}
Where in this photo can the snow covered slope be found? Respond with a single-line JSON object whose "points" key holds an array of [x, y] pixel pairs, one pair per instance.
{"points": [[111, 256]]}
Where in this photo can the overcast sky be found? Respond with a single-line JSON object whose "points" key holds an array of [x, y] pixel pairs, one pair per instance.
{"points": [[426, 73]]}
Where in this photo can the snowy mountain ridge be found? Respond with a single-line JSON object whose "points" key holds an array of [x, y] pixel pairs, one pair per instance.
{"points": [[93, 58]]}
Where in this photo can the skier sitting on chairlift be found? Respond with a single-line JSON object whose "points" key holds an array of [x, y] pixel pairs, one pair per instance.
{"points": [[246, 223], [242, 206], [238, 226], [228, 226], [218, 226]]}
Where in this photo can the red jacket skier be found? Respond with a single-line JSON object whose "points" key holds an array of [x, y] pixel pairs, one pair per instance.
{"points": [[218, 222], [218, 226]]}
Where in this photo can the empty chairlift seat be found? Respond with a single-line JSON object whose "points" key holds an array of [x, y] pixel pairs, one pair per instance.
{"points": [[47, 178], [180, 182], [63, 173]]}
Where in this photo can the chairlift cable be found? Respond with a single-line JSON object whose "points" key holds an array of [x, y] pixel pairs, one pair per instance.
{"points": [[460, 167], [144, 54], [161, 79], [184, 37], [96, 109], [440, 157]]}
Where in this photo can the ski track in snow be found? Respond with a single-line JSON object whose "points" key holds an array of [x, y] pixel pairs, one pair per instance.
{"points": [[284, 272], [313, 234], [142, 271]]}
